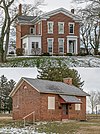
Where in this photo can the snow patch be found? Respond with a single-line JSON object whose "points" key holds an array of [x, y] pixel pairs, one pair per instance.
{"points": [[26, 130]]}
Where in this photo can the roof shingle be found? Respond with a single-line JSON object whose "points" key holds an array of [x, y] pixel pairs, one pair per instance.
{"points": [[46, 86]]}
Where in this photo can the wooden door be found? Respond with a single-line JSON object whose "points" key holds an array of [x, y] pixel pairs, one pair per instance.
{"points": [[64, 111]]}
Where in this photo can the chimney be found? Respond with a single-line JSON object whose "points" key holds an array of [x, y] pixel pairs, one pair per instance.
{"points": [[67, 81], [20, 10], [72, 11]]}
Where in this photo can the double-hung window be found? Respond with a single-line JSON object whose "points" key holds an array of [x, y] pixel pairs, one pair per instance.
{"points": [[50, 45], [60, 27], [61, 45], [71, 28], [50, 27]]}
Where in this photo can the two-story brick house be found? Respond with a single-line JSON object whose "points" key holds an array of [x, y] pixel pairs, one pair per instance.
{"points": [[55, 32]]}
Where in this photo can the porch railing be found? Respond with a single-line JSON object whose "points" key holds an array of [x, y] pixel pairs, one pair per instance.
{"points": [[33, 117]]}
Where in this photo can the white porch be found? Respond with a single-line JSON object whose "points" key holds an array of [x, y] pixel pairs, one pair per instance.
{"points": [[31, 44]]}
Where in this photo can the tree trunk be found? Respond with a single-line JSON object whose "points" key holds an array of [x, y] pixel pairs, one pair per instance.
{"points": [[1, 50], [6, 44]]}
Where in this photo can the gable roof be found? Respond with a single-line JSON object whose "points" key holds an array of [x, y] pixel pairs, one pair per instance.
{"points": [[49, 14], [25, 19], [46, 86], [56, 11]]}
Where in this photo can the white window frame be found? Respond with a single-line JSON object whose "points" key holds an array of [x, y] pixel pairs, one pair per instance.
{"points": [[59, 44], [70, 23], [34, 30], [48, 45], [59, 31], [50, 31], [51, 103]]}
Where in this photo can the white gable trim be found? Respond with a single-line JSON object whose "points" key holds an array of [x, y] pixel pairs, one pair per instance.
{"points": [[31, 85], [54, 12], [18, 85], [16, 88]]}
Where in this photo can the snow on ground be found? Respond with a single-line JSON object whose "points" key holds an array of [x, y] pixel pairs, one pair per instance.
{"points": [[26, 130], [70, 61]]}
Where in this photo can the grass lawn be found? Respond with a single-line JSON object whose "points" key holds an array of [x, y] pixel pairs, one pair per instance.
{"points": [[91, 126]]}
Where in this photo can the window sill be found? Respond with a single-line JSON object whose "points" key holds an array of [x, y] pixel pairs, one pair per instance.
{"points": [[71, 33]]}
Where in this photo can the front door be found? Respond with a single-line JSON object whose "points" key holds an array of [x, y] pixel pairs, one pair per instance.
{"points": [[64, 111], [72, 46]]}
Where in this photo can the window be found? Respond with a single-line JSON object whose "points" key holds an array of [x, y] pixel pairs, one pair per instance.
{"points": [[51, 102], [50, 27], [71, 28], [32, 30], [61, 27], [61, 45], [50, 45], [35, 44]]}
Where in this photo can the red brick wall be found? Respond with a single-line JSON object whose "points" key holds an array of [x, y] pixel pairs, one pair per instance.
{"points": [[29, 100], [58, 18], [25, 29], [48, 114], [78, 114], [18, 36], [21, 30]]}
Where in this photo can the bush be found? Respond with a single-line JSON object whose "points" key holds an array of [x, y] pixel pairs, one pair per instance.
{"points": [[69, 54], [82, 54], [45, 54], [19, 51]]}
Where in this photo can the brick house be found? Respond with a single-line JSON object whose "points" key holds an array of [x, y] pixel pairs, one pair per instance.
{"points": [[49, 100], [55, 32]]}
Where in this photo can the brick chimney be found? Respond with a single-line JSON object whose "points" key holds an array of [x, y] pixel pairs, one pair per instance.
{"points": [[72, 11], [20, 10], [67, 81]]}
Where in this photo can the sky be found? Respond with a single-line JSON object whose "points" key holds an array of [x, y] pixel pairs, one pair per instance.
{"points": [[90, 76], [53, 4]]}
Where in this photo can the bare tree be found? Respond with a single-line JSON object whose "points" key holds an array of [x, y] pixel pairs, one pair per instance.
{"points": [[9, 13], [94, 100], [91, 17]]}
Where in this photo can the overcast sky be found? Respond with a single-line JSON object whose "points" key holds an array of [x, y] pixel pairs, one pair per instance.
{"points": [[90, 76], [53, 4]]}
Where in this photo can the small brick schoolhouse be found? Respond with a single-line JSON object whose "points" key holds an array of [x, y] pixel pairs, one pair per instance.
{"points": [[55, 32], [49, 100]]}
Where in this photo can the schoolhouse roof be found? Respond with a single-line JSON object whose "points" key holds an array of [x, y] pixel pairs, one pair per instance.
{"points": [[54, 87]]}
